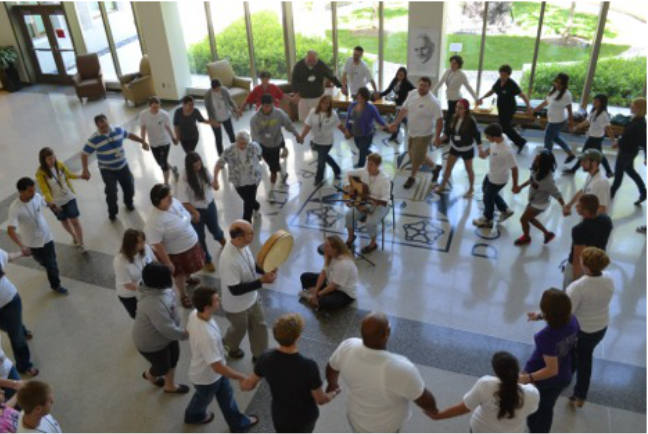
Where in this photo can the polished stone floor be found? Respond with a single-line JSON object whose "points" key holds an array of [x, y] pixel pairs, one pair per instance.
{"points": [[454, 294]]}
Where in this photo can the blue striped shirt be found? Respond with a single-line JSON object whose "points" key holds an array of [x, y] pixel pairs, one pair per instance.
{"points": [[109, 149]]}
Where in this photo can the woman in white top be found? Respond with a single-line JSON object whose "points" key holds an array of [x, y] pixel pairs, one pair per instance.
{"points": [[321, 123], [598, 123], [590, 297], [335, 286], [454, 78], [557, 101], [11, 317], [195, 192], [174, 240], [128, 265], [499, 404]]}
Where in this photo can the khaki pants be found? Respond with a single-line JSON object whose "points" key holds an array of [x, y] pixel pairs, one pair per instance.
{"points": [[305, 105], [418, 149], [252, 321]]}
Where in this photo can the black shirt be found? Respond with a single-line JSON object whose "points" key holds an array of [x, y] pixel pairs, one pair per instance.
{"points": [[291, 377], [592, 232], [506, 95], [633, 137], [309, 82], [403, 90], [187, 124]]}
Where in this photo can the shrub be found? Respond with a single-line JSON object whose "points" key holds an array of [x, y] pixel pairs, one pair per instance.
{"points": [[620, 79]]}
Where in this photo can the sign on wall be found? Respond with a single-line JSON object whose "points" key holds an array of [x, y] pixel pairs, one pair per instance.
{"points": [[423, 44]]}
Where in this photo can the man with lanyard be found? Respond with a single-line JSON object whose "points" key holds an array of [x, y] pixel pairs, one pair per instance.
{"points": [[595, 184], [239, 289], [108, 143], [356, 74], [308, 82], [375, 210]]}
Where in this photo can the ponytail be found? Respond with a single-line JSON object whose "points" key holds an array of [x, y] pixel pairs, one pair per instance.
{"points": [[509, 393]]}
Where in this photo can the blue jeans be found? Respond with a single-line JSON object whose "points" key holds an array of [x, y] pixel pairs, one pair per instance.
{"points": [[364, 145], [584, 350], [11, 323], [46, 256], [323, 158], [221, 390], [124, 177], [492, 198], [552, 134], [541, 420], [209, 218]]}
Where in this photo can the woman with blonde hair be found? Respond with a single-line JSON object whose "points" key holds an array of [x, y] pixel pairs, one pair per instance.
{"points": [[321, 123], [632, 139], [335, 286], [590, 296]]}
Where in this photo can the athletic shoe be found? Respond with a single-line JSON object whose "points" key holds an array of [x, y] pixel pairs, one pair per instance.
{"points": [[576, 402], [130, 208], [506, 214], [610, 174], [176, 174], [570, 158], [61, 290], [641, 229], [642, 198], [409, 183], [523, 240], [481, 222], [548, 237], [284, 178], [435, 172]]}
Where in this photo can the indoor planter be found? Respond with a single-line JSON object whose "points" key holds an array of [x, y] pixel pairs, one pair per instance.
{"points": [[8, 72]]}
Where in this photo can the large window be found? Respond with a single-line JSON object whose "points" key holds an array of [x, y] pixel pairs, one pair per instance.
{"points": [[196, 38], [94, 35], [396, 14], [357, 24], [231, 36], [124, 32], [268, 37], [312, 22]]}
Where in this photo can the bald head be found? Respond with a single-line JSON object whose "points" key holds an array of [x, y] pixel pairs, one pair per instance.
{"points": [[311, 58], [375, 330], [241, 233]]}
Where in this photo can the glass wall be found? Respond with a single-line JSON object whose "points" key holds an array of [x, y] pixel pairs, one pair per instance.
{"points": [[94, 35], [124, 33], [312, 22], [231, 36], [196, 39], [268, 38], [395, 25], [357, 24]]}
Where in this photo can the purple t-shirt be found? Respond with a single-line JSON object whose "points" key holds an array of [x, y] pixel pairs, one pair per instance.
{"points": [[557, 343]]}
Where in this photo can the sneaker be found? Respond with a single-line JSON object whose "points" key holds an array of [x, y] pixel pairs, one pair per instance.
{"points": [[642, 198], [176, 174], [81, 248], [576, 402], [435, 172], [256, 214], [409, 183], [523, 240], [610, 174], [130, 208], [209, 267], [284, 179], [505, 215], [548, 237], [236, 354], [112, 218], [481, 222], [570, 158], [568, 171], [61, 290], [641, 229]]}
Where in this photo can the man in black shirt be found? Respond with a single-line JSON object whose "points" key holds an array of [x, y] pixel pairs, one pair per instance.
{"points": [[295, 382], [506, 90], [593, 231], [308, 82]]}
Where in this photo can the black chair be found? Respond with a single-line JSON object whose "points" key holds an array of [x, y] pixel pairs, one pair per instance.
{"points": [[393, 212]]}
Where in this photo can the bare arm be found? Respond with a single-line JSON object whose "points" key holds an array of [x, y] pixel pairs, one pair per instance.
{"points": [[427, 402], [373, 84], [550, 370], [526, 100], [332, 377], [11, 231], [177, 132], [450, 412], [322, 397], [143, 132], [570, 118], [170, 131], [226, 371], [162, 255], [514, 175]]}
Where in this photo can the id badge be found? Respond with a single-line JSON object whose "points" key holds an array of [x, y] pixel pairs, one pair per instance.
{"points": [[457, 138], [311, 78]]}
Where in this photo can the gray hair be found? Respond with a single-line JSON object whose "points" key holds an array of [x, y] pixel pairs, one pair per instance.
{"points": [[243, 136]]}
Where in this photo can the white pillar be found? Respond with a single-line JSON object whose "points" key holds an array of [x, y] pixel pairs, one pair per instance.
{"points": [[430, 17]]}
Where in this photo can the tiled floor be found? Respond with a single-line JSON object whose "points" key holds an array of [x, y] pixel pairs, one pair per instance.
{"points": [[454, 294]]}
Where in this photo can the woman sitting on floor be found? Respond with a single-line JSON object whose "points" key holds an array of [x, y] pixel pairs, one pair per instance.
{"points": [[335, 286]]}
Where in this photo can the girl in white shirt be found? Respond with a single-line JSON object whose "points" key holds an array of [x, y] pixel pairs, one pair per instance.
{"points": [[557, 101], [499, 404], [128, 265], [454, 78], [598, 123], [335, 286], [590, 297]]}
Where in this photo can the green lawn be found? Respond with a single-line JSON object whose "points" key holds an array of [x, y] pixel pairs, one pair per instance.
{"points": [[514, 50]]}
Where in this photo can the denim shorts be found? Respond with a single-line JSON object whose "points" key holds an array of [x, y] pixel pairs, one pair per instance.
{"points": [[68, 211]]}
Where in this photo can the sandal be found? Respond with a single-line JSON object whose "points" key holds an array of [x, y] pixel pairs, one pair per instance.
{"points": [[159, 382], [369, 248], [32, 372], [186, 302], [181, 389]]}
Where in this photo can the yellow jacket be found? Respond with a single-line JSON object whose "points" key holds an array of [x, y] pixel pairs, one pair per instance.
{"points": [[43, 180]]}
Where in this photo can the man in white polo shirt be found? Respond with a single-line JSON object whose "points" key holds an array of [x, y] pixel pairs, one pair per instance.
{"points": [[380, 384], [356, 74], [423, 113], [595, 184], [208, 370], [239, 285]]}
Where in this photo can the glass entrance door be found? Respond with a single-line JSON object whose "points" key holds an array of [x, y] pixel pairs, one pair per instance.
{"points": [[48, 37]]}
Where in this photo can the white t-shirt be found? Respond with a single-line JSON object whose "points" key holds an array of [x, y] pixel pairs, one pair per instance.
{"points": [[172, 228], [597, 124], [7, 289], [590, 297], [29, 220], [599, 186], [47, 425], [130, 272], [358, 75], [344, 273], [422, 113], [61, 193], [156, 127], [481, 399], [379, 185], [206, 342], [5, 363], [453, 81], [222, 110], [322, 126], [500, 162], [185, 194], [380, 385], [556, 109], [236, 266]]}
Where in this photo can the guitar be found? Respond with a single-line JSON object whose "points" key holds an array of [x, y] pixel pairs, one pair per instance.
{"points": [[356, 194]]}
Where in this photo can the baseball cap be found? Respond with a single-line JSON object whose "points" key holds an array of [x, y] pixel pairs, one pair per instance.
{"points": [[592, 154]]}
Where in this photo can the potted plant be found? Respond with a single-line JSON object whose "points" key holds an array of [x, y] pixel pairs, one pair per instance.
{"points": [[8, 72]]}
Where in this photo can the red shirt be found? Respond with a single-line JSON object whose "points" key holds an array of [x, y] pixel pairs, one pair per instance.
{"points": [[255, 96]]}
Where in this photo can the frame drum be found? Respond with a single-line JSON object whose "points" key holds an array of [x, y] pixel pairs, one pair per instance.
{"points": [[275, 250]]}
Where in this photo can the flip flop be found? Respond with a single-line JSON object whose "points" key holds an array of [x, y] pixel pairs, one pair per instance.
{"points": [[181, 390], [159, 382]]}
